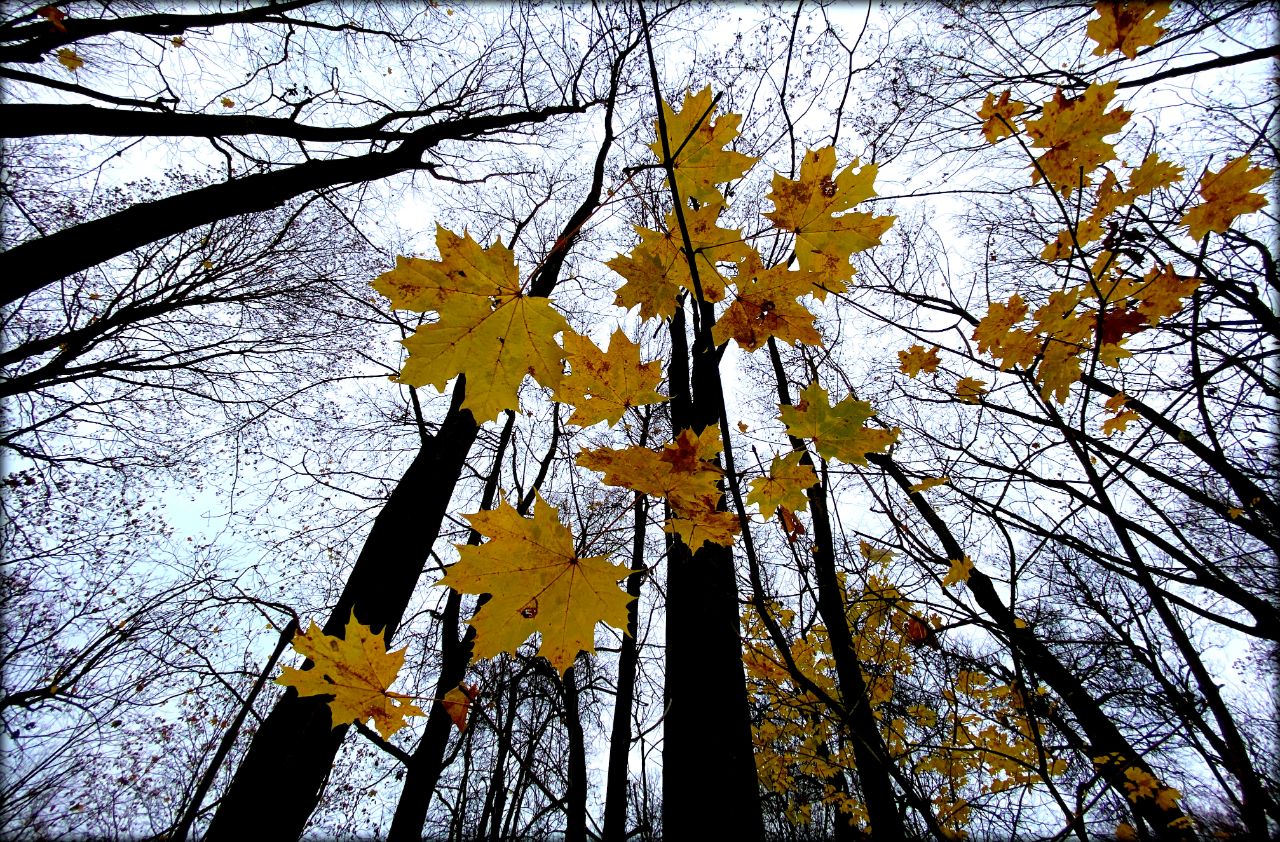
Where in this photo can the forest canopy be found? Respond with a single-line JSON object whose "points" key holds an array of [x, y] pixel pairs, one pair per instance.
{"points": [[793, 421]]}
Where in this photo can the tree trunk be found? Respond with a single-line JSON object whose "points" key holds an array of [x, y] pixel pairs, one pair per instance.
{"points": [[281, 777]]}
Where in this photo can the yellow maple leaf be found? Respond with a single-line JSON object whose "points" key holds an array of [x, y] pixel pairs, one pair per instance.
{"points": [[658, 266], [840, 431], [457, 702], [875, 554], [357, 671], [1153, 174], [929, 482], [994, 128], [1118, 423], [227, 102], [1162, 293], [1071, 129], [602, 385], [916, 359], [1125, 833], [683, 474], [808, 207], [969, 389], [1000, 319], [536, 583], [766, 304], [1227, 194], [1059, 369], [647, 283], [488, 329], [1124, 27], [785, 485], [958, 572], [697, 140], [69, 59]]}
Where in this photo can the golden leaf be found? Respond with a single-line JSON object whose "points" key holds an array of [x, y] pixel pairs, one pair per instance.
{"points": [[69, 59], [1227, 194], [840, 431], [929, 482], [808, 207], [994, 128], [697, 141], [1071, 129], [969, 389], [785, 485], [488, 329], [1124, 27], [604, 384], [916, 359], [357, 671], [536, 583], [765, 304], [958, 572]]}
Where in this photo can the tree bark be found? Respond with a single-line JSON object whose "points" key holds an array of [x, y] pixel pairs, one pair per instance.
{"points": [[29, 266], [281, 777]]}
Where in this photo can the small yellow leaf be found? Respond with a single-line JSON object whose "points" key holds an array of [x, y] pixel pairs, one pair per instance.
{"points": [[970, 389], [959, 572], [1235, 512], [742, 427], [993, 128], [458, 704], [839, 431], [177, 41], [784, 486], [916, 359], [1118, 423], [875, 554], [227, 102], [537, 583], [1227, 193], [68, 58], [929, 482], [1124, 27]]}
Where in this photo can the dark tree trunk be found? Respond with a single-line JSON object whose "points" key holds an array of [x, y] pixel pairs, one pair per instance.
{"points": [[707, 712], [281, 777], [576, 792]]}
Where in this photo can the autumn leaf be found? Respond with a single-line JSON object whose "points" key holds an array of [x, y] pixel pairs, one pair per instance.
{"points": [[658, 267], [765, 304], [457, 702], [1118, 423], [1071, 129], [969, 389], [683, 474], [1162, 293], [840, 431], [536, 583], [927, 483], [488, 329], [697, 140], [177, 41], [603, 385], [808, 208], [55, 16], [1153, 174], [993, 128], [227, 102], [1124, 27], [916, 359], [68, 58], [958, 572], [1227, 194], [357, 671], [875, 554], [784, 486]]}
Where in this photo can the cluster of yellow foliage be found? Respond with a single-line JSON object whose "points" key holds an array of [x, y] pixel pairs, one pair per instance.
{"points": [[977, 738]]}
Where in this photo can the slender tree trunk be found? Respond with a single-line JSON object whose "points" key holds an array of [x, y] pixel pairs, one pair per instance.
{"points": [[576, 791], [281, 777], [427, 761], [615, 803], [871, 756]]}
